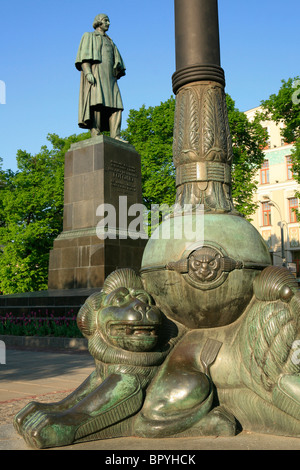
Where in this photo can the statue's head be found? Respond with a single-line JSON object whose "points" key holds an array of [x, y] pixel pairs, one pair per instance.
{"points": [[100, 19], [124, 313]]}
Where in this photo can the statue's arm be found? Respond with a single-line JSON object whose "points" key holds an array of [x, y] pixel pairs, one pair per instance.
{"points": [[119, 66], [87, 70], [86, 55]]}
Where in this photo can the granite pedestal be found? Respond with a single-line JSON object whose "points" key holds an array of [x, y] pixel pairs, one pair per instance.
{"points": [[98, 171]]}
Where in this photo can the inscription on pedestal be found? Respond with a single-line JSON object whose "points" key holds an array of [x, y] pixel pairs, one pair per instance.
{"points": [[122, 176]]}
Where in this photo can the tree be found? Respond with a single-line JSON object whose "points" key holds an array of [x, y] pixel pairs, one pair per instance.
{"points": [[150, 130], [2, 184], [31, 213], [285, 107]]}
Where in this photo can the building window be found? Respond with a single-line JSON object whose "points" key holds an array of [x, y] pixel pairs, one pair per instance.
{"points": [[264, 173], [268, 142], [293, 206], [266, 213], [289, 166]]}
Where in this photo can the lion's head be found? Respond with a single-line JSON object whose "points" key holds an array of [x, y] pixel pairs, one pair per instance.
{"points": [[125, 316], [130, 320]]}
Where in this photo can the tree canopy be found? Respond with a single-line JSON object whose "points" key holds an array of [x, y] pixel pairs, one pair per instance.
{"points": [[285, 107], [31, 215], [31, 202]]}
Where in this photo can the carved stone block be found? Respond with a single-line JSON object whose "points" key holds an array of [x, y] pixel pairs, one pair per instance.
{"points": [[97, 171]]}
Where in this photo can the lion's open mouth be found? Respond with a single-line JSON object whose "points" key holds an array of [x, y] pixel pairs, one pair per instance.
{"points": [[129, 330]]}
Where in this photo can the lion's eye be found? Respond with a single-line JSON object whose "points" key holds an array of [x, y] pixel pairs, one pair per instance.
{"points": [[117, 297], [214, 263], [143, 298], [118, 300]]}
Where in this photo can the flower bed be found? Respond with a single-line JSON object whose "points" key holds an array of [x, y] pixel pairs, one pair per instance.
{"points": [[32, 324]]}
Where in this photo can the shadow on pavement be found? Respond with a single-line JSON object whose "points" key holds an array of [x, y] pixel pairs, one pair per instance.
{"points": [[22, 365]]}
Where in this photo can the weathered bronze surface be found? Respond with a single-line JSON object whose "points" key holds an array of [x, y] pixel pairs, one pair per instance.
{"points": [[219, 285], [197, 43], [129, 338], [205, 341], [217, 295], [200, 381], [255, 374], [202, 150], [101, 65]]}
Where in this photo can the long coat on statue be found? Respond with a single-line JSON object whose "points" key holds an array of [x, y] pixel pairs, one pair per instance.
{"points": [[107, 66]]}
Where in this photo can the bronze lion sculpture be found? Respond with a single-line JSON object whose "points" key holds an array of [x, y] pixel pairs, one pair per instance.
{"points": [[156, 378]]}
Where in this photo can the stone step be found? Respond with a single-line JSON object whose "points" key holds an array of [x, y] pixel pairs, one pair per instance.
{"points": [[56, 302]]}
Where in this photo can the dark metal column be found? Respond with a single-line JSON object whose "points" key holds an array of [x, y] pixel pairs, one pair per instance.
{"points": [[197, 42], [202, 150]]}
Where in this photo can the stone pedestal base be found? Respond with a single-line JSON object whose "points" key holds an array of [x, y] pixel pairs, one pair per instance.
{"points": [[97, 171], [84, 261]]}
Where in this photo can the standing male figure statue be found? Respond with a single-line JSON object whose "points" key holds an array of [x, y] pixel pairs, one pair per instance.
{"points": [[101, 65]]}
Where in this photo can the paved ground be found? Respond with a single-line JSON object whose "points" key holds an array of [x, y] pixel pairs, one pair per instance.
{"points": [[36, 373], [49, 376]]}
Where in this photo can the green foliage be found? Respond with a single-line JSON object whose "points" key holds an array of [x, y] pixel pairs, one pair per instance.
{"points": [[296, 160], [31, 215], [285, 106]]}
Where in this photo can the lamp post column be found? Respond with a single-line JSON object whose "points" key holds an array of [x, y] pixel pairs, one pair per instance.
{"points": [[197, 42], [202, 149]]}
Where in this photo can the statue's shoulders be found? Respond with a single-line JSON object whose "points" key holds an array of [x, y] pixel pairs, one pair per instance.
{"points": [[91, 35], [88, 35], [90, 39]]}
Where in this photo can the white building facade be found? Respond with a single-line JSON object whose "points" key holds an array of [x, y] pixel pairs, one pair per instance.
{"points": [[275, 217]]}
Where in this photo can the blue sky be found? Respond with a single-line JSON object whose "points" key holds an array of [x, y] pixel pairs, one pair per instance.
{"points": [[259, 42]]}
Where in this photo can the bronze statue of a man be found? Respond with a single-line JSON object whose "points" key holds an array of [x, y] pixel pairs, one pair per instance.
{"points": [[101, 65]]}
